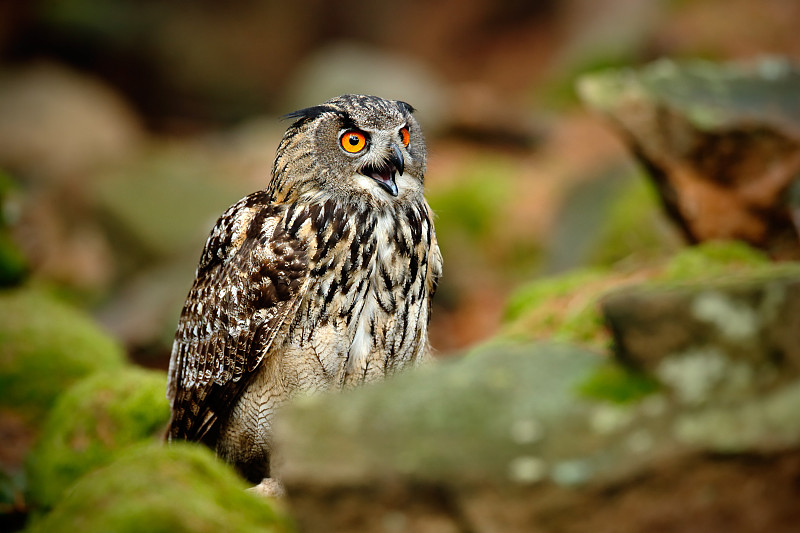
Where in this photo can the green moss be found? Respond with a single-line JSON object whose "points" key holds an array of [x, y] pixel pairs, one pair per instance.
{"points": [[470, 207], [157, 488], [532, 295], [562, 308], [565, 308], [713, 259], [633, 226], [617, 384], [91, 422], [13, 265], [45, 346]]}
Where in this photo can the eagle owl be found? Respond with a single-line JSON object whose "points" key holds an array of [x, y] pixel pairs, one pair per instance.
{"points": [[321, 281]]}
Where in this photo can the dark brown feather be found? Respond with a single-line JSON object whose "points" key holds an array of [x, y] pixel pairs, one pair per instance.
{"points": [[223, 334]]}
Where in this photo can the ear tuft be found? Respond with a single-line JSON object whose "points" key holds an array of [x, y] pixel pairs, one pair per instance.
{"points": [[405, 107], [309, 113]]}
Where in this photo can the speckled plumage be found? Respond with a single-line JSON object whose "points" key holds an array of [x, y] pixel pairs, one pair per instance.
{"points": [[322, 281]]}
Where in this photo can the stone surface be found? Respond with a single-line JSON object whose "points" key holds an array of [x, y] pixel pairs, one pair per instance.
{"points": [[468, 421], [346, 67], [726, 339], [90, 424], [57, 125], [720, 141], [566, 307], [520, 436], [163, 489]]}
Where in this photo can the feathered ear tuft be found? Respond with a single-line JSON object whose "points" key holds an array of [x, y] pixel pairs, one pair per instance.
{"points": [[405, 107], [309, 113]]}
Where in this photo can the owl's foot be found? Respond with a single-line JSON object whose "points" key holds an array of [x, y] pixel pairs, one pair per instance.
{"points": [[269, 487]]}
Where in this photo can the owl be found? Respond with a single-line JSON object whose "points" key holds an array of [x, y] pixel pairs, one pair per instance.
{"points": [[321, 281]]}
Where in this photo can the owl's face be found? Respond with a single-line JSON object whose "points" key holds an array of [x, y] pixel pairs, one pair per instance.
{"points": [[363, 147]]}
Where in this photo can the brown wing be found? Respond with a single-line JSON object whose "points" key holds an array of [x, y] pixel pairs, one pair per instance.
{"points": [[251, 278]]}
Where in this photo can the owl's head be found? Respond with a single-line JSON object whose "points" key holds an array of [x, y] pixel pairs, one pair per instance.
{"points": [[354, 148]]}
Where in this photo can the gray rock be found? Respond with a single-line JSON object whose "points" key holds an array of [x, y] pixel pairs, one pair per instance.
{"points": [[513, 436], [506, 415], [720, 141], [351, 68], [58, 125], [727, 340]]}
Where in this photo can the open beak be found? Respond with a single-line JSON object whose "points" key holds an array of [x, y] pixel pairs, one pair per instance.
{"points": [[383, 174]]}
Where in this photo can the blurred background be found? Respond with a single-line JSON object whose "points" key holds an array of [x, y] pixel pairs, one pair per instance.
{"points": [[128, 126]]}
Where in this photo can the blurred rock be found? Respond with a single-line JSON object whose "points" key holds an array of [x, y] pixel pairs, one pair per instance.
{"points": [[616, 32], [479, 114], [90, 424], [471, 111], [144, 311], [344, 67], [58, 130], [616, 219], [727, 340], [615, 216], [515, 435], [165, 202], [45, 346], [166, 489], [566, 307], [57, 125], [468, 421], [62, 243], [721, 142]]}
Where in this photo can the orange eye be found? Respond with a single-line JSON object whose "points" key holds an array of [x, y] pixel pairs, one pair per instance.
{"points": [[404, 136], [353, 141]]}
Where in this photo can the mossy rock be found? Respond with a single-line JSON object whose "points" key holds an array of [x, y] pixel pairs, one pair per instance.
{"points": [[561, 308], [156, 488], [45, 346], [90, 423], [710, 95], [566, 307], [139, 201], [464, 420], [713, 259], [618, 384]]}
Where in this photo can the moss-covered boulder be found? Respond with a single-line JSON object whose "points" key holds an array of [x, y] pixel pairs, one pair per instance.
{"points": [[45, 346], [165, 489], [505, 413], [90, 423], [566, 307], [561, 308]]}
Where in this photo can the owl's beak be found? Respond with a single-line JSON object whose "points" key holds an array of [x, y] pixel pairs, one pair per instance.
{"points": [[384, 175], [396, 159]]}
